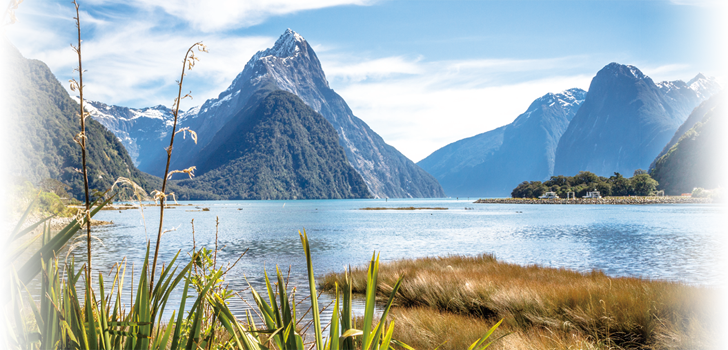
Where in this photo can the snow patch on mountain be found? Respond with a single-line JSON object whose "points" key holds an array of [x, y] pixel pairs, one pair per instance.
{"points": [[289, 45]]}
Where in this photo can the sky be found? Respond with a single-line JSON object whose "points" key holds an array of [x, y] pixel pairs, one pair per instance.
{"points": [[422, 74]]}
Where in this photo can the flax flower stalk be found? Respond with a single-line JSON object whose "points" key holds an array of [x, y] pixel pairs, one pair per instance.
{"points": [[81, 139], [187, 64]]}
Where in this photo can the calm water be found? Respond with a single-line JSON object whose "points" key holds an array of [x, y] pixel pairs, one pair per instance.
{"points": [[672, 242]]}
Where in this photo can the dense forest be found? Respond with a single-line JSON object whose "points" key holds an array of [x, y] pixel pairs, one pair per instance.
{"points": [[278, 149], [640, 184]]}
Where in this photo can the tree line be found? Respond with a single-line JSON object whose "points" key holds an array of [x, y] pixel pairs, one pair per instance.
{"points": [[640, 184]]}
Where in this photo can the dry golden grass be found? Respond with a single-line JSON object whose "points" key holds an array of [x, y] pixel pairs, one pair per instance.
{"points": [[424, 328], [545, 307]]}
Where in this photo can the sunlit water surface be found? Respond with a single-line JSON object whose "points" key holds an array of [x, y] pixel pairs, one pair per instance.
{"points": [[669, 242]]}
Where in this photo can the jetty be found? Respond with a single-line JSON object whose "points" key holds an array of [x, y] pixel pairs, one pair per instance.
{"points": [[601, 200]]}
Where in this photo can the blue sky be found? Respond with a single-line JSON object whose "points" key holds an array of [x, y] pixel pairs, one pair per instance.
{"points": [[421, 73]]}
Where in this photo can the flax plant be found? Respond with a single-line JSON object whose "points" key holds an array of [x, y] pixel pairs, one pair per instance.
{"points": [[161, 196], [103, 322], [81, 138]]}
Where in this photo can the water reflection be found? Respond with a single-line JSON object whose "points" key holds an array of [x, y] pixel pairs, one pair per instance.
{"points": [[672, 242]]}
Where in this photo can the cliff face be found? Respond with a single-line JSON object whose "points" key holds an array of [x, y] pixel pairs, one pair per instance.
{"points": [[625, 121]]}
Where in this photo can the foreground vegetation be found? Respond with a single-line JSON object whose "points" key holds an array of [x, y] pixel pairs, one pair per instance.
{"points": [[70, 311], [545, 308], [641, 184]]}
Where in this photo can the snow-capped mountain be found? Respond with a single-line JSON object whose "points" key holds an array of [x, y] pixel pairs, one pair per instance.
{"points": [[495, 162], [626, 120], [290, 65], [137, 128]]}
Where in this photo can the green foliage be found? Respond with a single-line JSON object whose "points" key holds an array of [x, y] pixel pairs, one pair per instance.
{"points": [[617, 185], [697, 158], [55, 186], [700, 193], [643, 184], [46, 120], [49, 203], [60, 321]]}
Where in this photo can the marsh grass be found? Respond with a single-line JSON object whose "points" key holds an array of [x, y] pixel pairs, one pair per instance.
{"points": [[544, 305]]}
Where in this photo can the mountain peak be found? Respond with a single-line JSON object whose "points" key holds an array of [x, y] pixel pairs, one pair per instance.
{"points": [[700, 76], [289, 44], [622, 69]]}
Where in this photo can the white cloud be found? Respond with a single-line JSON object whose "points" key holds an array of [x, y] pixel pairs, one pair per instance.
{"points": [[130, 62], [416, 105], [226, 14], [668, 72], [701, 3], [376, 69]]}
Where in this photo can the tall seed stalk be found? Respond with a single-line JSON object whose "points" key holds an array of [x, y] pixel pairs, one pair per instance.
{"points": [[81, 139], [187, 64]]}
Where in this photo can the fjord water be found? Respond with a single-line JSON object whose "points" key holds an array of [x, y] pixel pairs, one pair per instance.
{"points": [[667, 242]]}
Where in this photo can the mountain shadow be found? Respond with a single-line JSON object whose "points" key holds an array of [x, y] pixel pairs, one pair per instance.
{"points": [[276, 147]]}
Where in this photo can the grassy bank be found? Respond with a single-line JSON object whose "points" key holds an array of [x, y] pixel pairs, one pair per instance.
{"points": [[448, 298]]}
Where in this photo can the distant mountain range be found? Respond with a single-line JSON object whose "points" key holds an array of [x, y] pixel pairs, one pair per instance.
{"points": [[695, 158], [620, 125], [290, 65], [279, 131], [276, 148], [495, 162], [626, 120]]}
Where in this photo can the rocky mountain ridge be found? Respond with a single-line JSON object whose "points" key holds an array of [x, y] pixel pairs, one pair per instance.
{"points": [[493, 163], [290, 65], [626, 120]]}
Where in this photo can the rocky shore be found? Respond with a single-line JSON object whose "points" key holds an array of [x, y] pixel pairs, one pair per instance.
{"points": [[605, 200], [56, 224]]}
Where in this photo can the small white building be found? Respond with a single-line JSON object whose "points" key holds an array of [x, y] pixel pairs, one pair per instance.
{"points": [[549, 195], [593, 194]]}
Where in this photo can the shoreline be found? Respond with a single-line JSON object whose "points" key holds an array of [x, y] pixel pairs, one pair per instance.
{"points": [[56, 224], [635, 200]]}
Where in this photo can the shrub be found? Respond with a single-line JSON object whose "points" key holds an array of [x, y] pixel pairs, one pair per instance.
{"points": [[699, 192], [51, 203]]}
